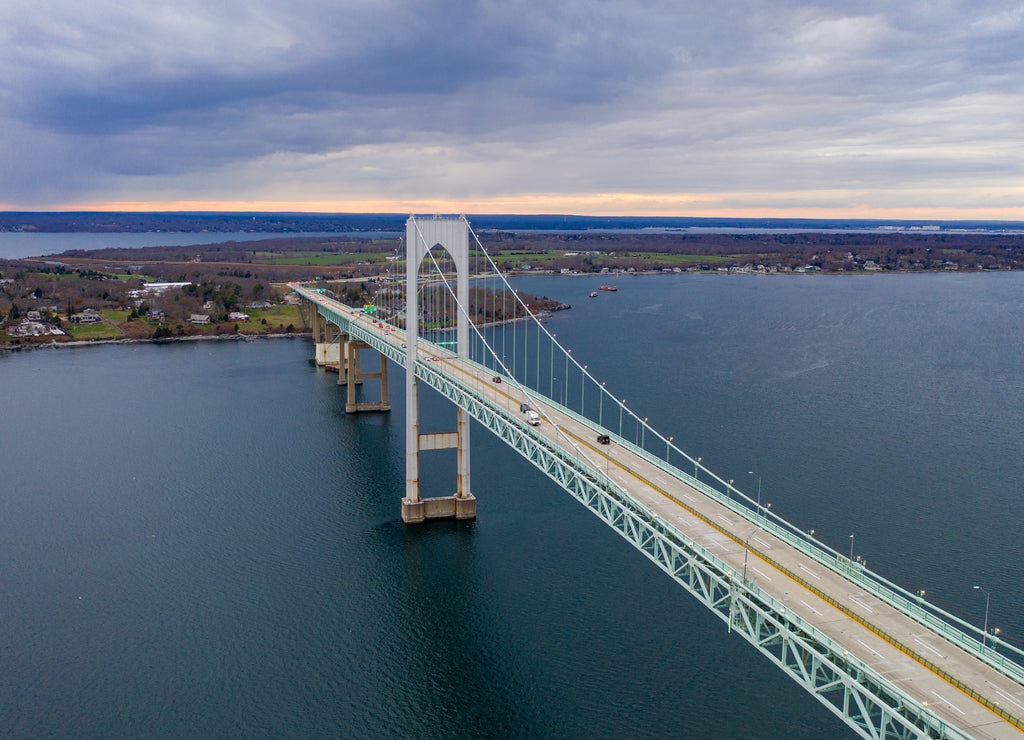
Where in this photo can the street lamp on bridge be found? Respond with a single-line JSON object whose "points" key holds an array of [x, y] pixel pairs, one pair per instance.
{"points": [[984, 630], [751, 472]]}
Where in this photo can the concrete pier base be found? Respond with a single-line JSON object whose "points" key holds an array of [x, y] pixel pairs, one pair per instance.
{"points": [[442, 507], [355, 377]]}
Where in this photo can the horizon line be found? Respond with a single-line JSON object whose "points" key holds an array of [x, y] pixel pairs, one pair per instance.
{"points": [[587, 206]]}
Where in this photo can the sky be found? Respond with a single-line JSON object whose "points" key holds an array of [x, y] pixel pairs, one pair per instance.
{"points": [[852, 108]]}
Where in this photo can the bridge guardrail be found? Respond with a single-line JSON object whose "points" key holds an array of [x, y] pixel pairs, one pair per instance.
{"points": [[874, 583], [751, 593]]}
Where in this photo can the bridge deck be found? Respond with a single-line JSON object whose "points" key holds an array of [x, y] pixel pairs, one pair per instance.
{"points": [[894, 645]]}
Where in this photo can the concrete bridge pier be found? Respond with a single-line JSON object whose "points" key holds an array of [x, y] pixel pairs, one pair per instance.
{"points": [[460, 505], [342, 365], [334, 349], [327, 343], [355, 376]]}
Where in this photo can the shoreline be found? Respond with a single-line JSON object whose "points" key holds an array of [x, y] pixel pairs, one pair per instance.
{"points": [[163, 340], [541, 315]]}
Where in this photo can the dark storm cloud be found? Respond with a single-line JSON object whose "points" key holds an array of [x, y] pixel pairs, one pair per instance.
{"points": [[98, 99], [428, 49]]}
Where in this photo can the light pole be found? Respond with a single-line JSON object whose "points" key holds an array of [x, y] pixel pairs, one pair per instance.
{"points": [[695, 464], [552, 370], [583, 390], [984, 631], [746, 551], [566, 392], [851, 548], [751, 472]]}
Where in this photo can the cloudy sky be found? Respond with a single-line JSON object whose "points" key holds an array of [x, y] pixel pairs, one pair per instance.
{"points": [[877, 108]]}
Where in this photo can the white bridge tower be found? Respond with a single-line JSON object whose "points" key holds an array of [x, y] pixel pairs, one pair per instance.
{"points": [[422, 236]]}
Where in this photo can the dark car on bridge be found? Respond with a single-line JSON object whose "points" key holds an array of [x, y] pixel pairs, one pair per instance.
{"points": [[604, 439]]}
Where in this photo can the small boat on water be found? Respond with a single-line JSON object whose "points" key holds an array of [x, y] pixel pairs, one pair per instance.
{"points": [[611, 288], [593, 294]]}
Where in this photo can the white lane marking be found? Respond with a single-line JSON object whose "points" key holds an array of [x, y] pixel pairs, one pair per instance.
{"points": [[688, 497], [762, 542], [853, 598], [949, 704], [1008, 698], [870, 648], [809, 606], [758, 571], [808, 570], [724, 518], [929, 647]]}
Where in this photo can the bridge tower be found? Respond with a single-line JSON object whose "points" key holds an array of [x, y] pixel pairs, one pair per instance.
{"points": [[421, 236]]}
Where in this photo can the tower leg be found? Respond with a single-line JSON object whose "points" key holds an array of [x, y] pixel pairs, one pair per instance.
{"points": [[413, 510], [352, 365], [385, 403], [465, 501], [356, 376], [343, 340]]}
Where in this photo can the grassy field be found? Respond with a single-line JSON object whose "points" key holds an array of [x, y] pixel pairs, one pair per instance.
{"points": [[278, 318], [102, 330], [677, 260], [321, 258], [315, 258]]}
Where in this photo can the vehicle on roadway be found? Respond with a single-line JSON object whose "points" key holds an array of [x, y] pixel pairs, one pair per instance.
{"points": [[604, 439], [496, 378], [533, 418]]}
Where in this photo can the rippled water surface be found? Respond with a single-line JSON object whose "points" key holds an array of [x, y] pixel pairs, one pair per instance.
{"points": [[196, 540]]}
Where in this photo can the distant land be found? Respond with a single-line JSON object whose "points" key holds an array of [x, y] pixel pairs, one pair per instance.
{"points": [[276, 223], [234, 287]]}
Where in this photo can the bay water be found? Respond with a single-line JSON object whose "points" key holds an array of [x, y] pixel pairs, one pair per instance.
{"points": [[20, 244], [197, 541]]}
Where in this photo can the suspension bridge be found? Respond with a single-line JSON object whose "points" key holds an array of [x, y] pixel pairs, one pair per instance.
{"points": [[884, 660]]}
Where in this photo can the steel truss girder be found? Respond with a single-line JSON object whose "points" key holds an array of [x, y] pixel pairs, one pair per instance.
{"points": [[865, 701]]}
